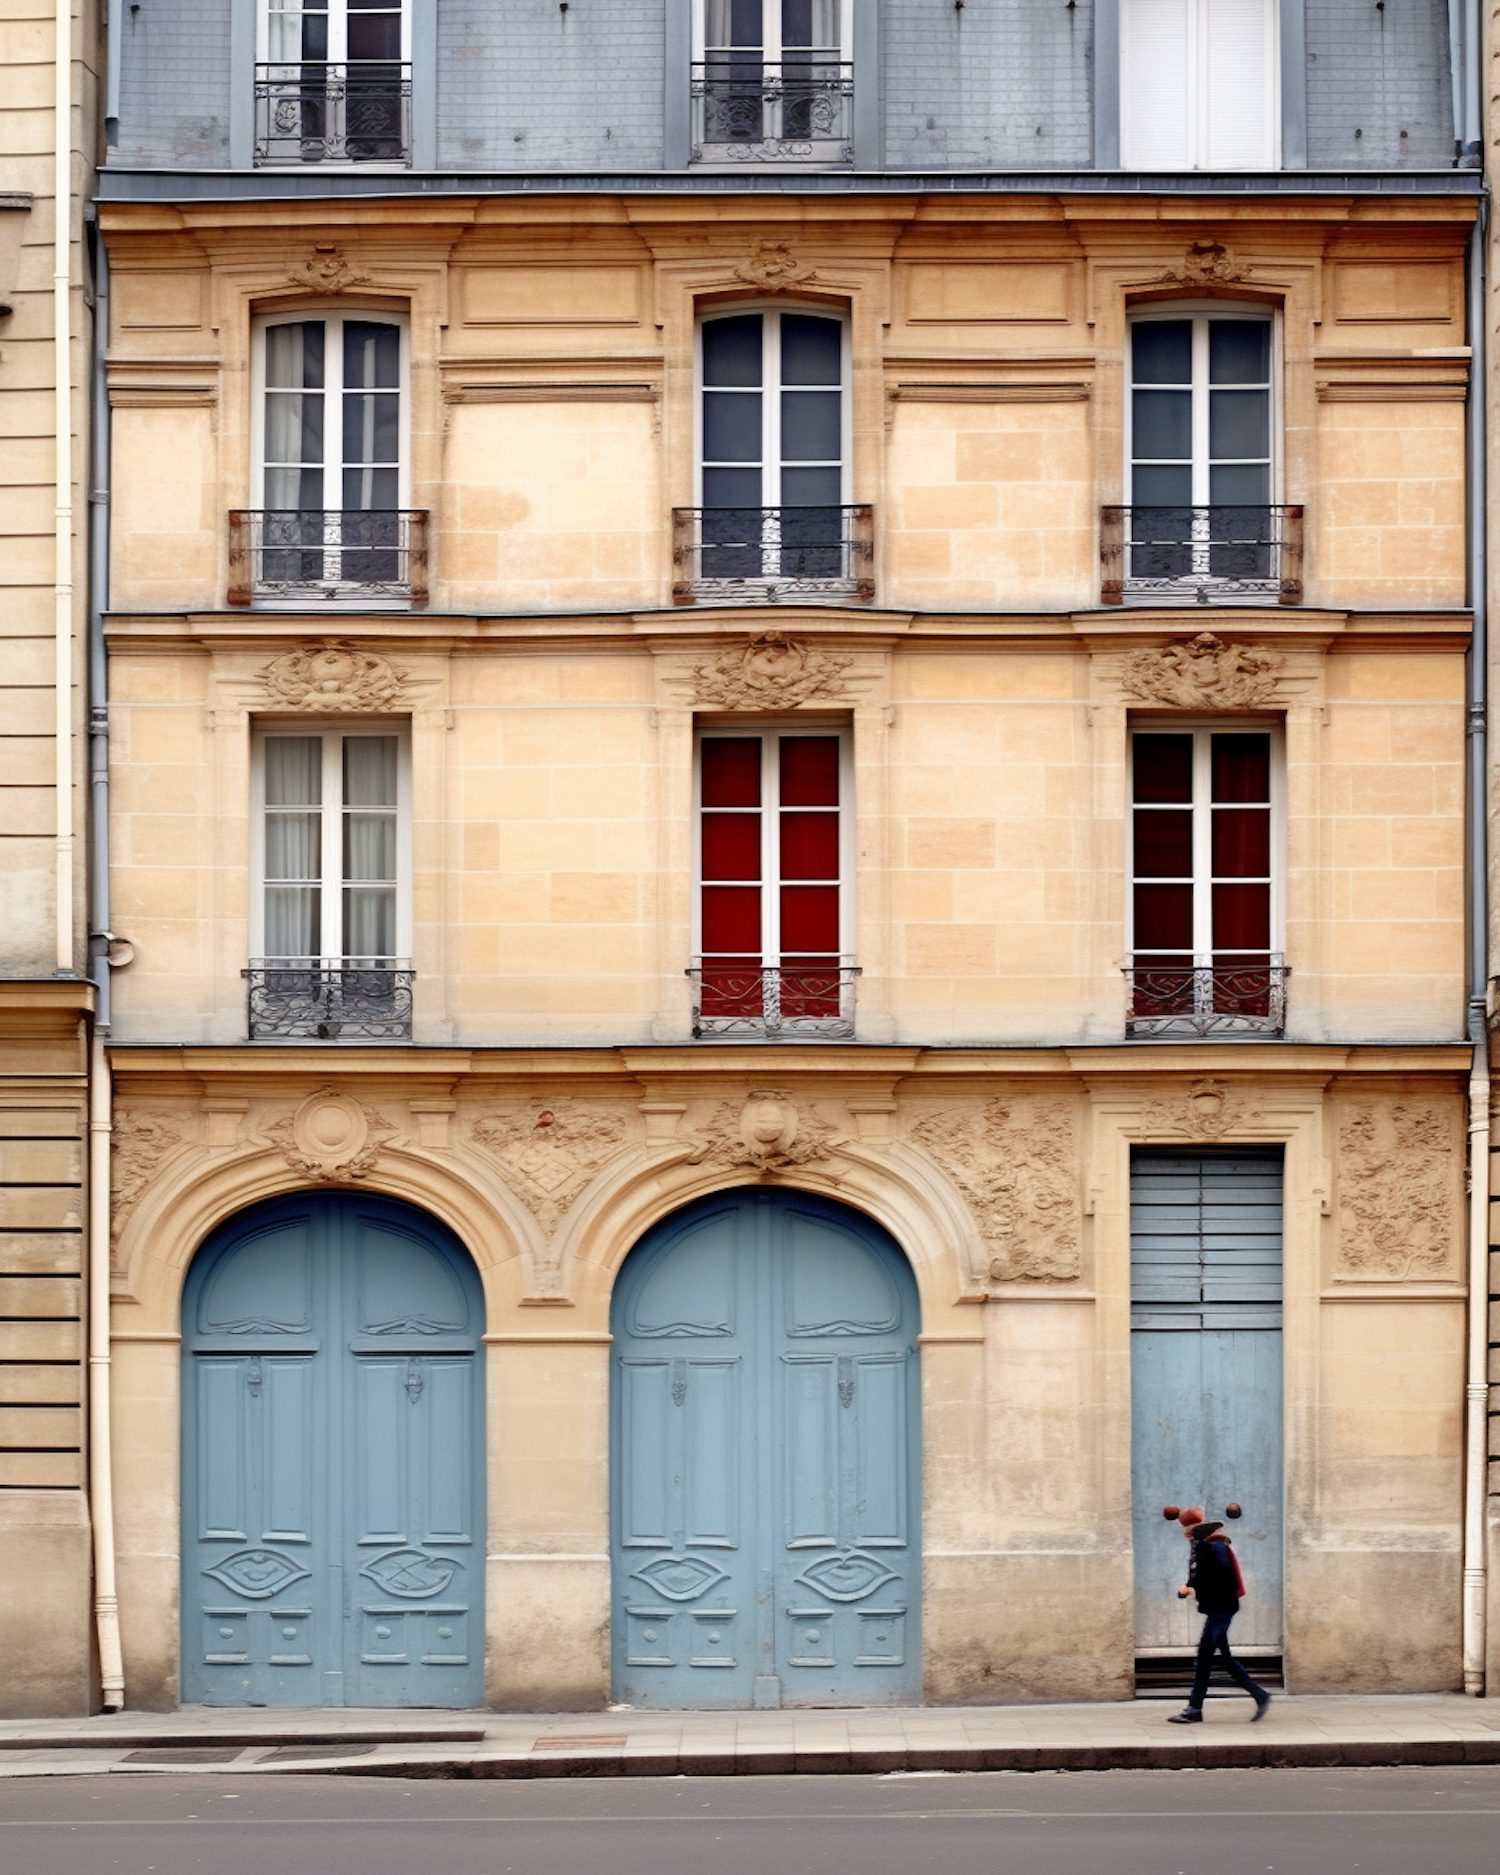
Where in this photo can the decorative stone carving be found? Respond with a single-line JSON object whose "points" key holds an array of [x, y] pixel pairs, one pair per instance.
{"points": [[766, 1133], [770, 671], [1210, 1109], [333, 677], [1203, 674], [139, 1141], [773, 268], [549, 1155], [1017, 1170], [331, 1137], [326, 271], [1205, 263], [1396, 1197]]}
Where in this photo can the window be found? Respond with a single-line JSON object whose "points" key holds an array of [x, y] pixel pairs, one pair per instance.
{"points": [[333, 82], [331, 924], [773, 520], [1198, 84], [772, 82], [774, 918], [1201, 462], [330, 442], [1206, 911]]}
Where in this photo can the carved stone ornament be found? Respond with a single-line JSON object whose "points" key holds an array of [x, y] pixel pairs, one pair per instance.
{"points": [[139, 1142], [335, 677], [1017, 1170], [1204, 264], [1211, 1109], [1203, 674], [549, 1155], [773, 268], [326, 271], [770, 671], [331, 1136], [1396, 1197], [766, 1134]]}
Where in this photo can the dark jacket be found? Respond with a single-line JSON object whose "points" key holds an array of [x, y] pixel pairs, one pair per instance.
{"points": [[1213, 1577]]}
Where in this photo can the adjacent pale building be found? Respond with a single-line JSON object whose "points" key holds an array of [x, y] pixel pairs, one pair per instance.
{"points": [[787, 705]]}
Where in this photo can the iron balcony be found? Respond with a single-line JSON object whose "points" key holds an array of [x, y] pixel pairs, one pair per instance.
{"points": [[796, 111], [1206, 999], [313, 999], [765, 556], [328, 554], [773, 1003], [323, 113], [1218, 554]]}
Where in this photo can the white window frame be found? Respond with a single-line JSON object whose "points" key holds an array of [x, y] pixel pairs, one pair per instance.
{"points": [[770, 313], [771, 47], [1197, 103], [1202, 730], [771, 732], [337, 14], [333, 318], [1200, 312], [332, 731]]}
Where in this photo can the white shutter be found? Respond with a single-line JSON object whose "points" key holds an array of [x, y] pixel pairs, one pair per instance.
{"points": [[1239, 85], [1155, 73]]}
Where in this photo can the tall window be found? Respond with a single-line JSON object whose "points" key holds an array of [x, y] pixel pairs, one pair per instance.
{"points": [[772, 448], [772, 81], [331, 922], [773, 911], [1200, 442], [331, 445], [333, 82], [1206, 911], [1198, 84]]}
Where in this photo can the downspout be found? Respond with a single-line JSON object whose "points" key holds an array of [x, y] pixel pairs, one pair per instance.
{"points": [[114, 32], [62, 421], [1476, 1389], [101, 1454]]}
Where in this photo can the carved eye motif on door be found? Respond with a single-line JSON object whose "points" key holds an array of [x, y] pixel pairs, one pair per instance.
{"points": [[847, 1578], [411, 1573], [257, 1573], [680, 1578]]}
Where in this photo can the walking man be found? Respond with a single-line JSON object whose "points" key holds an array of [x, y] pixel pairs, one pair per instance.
{"points": [[1214, 1577]]}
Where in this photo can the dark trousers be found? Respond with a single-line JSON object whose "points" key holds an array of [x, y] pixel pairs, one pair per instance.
{"points": [[1216, 1641]]}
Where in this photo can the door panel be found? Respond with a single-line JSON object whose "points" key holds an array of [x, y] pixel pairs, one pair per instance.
{"points": [[765, 1495], [332, 1482], [1206, 1381]]}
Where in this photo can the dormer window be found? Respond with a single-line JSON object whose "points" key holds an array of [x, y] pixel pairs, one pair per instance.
{"points": [[333, 82], [1198, 84], [773, 82]]}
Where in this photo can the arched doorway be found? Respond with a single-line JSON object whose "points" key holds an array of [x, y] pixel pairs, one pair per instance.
{"points": [[332, 1463], [766, 1501]]}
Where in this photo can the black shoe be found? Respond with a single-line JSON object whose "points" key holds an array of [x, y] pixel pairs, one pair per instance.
{"points": [[1190, 1715], [1262, 1707]]}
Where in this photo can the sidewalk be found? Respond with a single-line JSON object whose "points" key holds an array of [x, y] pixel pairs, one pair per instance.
{"points": [[1417, 1729]]}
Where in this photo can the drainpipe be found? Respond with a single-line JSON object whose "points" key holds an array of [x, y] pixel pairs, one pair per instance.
{"points": [[114, 36], [101, 943], [62, 420], [1476, 1388]]}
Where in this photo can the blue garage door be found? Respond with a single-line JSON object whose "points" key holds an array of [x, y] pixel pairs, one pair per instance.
{"points": [[332, 1481], [766, 1498], [1206, 1425]]}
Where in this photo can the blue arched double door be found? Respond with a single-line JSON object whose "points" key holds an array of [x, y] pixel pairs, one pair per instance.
{"points": [[332, 1478], [766, 1498]]}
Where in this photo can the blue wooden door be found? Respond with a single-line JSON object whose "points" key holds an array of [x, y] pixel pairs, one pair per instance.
{"points": [[1206, 1394], [332, 1481], [766, 1497]]}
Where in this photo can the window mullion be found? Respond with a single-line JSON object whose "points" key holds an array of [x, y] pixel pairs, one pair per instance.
{"points": [[338, 31], [333, 846], [770, 414], [1203, 925], [1200, 410], [770, 849]]}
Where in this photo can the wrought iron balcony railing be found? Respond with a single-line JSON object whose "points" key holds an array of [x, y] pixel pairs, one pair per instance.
{"points": [[310, 999], [798, 111], [762, 556], [323, 554], [1207, 999], [322, 113], [1219, 554], [773, 1003]]}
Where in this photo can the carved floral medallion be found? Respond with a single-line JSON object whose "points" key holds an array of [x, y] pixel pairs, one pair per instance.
{"points": [[331, 1137], [772, 267], [770, 671], [767, 1133], [1203, 673], [335, 677]]}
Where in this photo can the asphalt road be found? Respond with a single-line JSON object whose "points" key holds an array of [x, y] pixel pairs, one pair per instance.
{"points": [[1396, 1822]]}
